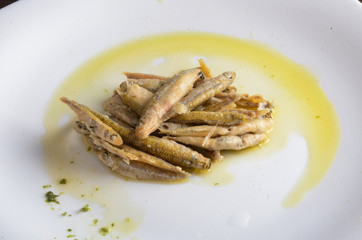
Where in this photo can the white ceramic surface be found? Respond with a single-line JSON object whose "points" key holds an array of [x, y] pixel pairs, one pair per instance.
{"points": [[42, 42]]}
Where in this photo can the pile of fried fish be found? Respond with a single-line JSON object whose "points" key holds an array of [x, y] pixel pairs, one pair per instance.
{"points": [[160, 128]]}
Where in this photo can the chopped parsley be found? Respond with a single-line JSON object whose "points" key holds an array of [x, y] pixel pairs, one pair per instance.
{"points": [[86, 208], [63, 181], [51, 197], [104, 230]]}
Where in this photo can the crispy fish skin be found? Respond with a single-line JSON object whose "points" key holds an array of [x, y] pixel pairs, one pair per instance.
{"points": [[258, 125], [225, 104], [176, 129], [164, 99], [144, 76], [253, 102], [93, 123], [116, 107], [151, 160], [168, 150], [216, 155], [228, 92], [80, 127], [224, 142], [151, 84], [209, 103], [202, 93], [129, 154], [251, 113], [112, 149], [135, 97], [136, 169], [165, 149], [211, 118]]}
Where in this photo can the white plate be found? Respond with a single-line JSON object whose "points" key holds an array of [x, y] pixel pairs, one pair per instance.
{"points": [[42, 43]]}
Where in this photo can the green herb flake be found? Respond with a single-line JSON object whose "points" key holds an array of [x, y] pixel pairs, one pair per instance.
{"points": [[64, 213], [112, 224], [70, 236], [95, 221], [71, 162], [69, 229], [47, 186], [51, 197], [317, 116], [63, 181], [127, 219], [89, 149], [215, 184], [86, 208], [104, 230]]}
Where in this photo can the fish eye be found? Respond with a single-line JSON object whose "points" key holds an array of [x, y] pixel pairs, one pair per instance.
{"points": [[202, 75], [228, 75]]}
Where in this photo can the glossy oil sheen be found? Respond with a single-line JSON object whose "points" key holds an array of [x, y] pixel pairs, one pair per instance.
{"points": [[301, 105]]}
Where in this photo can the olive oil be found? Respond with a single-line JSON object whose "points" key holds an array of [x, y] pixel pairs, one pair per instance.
{"points": [[301, 105]]}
